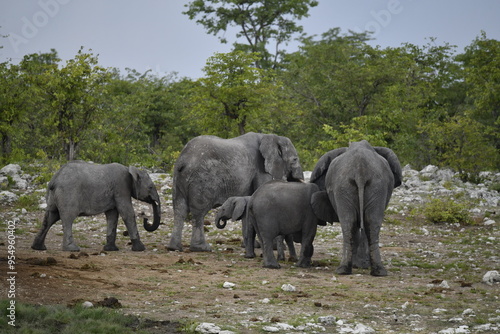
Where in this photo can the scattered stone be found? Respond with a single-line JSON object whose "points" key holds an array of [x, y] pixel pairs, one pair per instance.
{"points": [[468, 312], [265, 301], [271, 329], [288, 288], [444, 285], [488, 222], [87, 304], [228, 285], [327, 320], [207, 328], [7, 197], [491, 277], [460, 330]]}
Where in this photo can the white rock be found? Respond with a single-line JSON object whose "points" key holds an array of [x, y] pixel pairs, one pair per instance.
{"points": [[288, 288], [208, 328], [283, 326], [362, 329], [439, 310], [327, 320], [271, 329], [11, 170], [444, 284], [228, 285], [7, 197], [489, 222], [460, 330], [469, 312], [265, 301], [491, 277], [87, 304]]}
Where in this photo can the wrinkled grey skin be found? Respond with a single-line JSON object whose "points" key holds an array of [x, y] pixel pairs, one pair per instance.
{"points": [[84, 189], [209, 170], [359, 181], [235, 208], [284, 208]]}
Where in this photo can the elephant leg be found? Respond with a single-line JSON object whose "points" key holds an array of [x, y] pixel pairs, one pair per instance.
{"points": [[250, 238], [348, 230], [198, 241], [372, 234], [112, 223], [307, 248], [180, 215], [68, 241], [280, 247], [268, 254], [360, 253], [49, 219], [292, 254], [127, 213]]}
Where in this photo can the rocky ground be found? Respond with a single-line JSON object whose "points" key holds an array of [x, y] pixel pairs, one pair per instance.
{"points": [[443, 278]]}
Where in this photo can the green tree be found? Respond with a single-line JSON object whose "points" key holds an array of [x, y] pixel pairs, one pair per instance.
{"points": [[74, 95], [261, 22], [461, 144], [233, 95]]}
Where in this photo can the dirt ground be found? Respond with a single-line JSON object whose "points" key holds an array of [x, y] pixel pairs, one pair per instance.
{"points": [[434, 281]]}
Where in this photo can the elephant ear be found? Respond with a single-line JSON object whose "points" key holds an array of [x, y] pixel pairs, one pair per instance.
{"points": [[136, 179], [322, 207], [394, 164], [319, 173], [273, 156], [240, 206]]}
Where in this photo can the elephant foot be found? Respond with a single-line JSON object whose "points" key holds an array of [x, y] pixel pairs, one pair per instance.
{"points": [[378, 271], [249, 255], [305, 263], [175, 246], [272, 266], [292, 259], [344, 270], [200, 248], [38, 246], [138, 246], [110, 248], [71, 248]]}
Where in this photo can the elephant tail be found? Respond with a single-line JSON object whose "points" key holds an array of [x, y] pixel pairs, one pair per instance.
{"points": [[361, 184]]}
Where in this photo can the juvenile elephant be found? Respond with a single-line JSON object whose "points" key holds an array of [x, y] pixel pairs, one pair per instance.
{"points": [[235, 208], [85, 189], [209, 170], [285, 208], [359, 180]]}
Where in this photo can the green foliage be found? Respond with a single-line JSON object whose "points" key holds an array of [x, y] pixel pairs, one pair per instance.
{"points": [[60, 319], [260, 22], [448, 210], [428, 104]]}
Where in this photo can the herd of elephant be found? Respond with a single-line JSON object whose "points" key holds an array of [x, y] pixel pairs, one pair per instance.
{"points": [[256, 178]]}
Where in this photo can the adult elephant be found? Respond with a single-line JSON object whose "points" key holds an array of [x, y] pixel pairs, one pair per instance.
{"points": [[85, 189], [210, 169], [359, 180]]}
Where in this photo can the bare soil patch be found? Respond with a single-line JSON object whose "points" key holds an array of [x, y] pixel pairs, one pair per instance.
{"points": [[435, 274]]}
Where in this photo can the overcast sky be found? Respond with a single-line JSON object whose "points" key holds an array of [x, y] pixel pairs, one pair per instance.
{"points": [[154, 34]]}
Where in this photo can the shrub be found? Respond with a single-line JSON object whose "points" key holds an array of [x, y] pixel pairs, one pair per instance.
{"points": [[447, 210]]}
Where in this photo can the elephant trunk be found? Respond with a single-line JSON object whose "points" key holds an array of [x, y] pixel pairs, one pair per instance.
{"points": [[218, 218], [156, 218]]}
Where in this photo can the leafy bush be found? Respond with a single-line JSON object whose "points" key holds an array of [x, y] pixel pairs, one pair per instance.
{"points": [[447, 210]]}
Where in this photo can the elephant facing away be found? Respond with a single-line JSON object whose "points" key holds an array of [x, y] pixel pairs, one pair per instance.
{"points": [[285, 208], [85, 189], [235, 208], [359, 180], [209, 170]]}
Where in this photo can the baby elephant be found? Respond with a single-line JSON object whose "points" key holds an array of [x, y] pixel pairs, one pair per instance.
{"points": [[85, 189], [235, 208], [284, 208]]}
